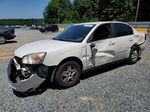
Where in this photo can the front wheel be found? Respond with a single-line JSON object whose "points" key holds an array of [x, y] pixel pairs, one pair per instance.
{"points": [[68, 74], [134, 55], [2, 40]]}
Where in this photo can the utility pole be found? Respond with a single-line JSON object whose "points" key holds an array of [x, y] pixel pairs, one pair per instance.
{"points": [[137, 10]]}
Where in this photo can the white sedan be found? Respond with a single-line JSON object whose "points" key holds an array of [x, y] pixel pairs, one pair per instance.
{"points": [[80, 47]]}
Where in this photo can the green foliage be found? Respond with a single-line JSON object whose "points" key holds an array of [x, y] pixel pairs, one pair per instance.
{"points": [[116, 10], [62, 11], [57, 11], [27, 22], [144, 10]]}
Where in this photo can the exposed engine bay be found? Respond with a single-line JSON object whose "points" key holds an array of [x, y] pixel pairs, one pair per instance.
{"points": [[25, 78]]}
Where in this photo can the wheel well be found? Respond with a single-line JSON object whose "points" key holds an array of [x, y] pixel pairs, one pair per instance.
{"points": [[2, 36], [72, 59], [136, 46]]}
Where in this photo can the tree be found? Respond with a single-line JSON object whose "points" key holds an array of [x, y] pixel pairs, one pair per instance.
{"points": [[104, 10], [62, 11], [144, 10], [116, 10], [57, 11], [86, 10]]}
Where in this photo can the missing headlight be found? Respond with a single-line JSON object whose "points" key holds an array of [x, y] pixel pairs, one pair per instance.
{"points": [[40, 70], [25, 71]]}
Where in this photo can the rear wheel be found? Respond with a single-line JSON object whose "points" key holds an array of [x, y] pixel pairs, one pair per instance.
{"points": [[68, 74], [2, 40], [42, 30], [134, 55], [53, 30]]}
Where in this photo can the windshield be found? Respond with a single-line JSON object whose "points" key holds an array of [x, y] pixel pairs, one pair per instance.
{"points": [[75, 33]]}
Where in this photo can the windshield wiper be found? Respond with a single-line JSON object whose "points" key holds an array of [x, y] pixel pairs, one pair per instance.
{"points": [[59, 39], [65, 40]]}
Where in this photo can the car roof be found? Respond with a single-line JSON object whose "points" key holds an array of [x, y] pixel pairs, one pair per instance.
{"points": [[100, 22]]}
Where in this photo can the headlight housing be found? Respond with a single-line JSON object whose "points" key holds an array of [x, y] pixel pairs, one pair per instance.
{"points": [[36, 58]]}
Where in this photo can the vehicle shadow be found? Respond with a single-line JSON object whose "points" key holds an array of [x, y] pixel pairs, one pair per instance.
{"points": [[102, 69], [46, 85], [90, 73], [10, 42]]}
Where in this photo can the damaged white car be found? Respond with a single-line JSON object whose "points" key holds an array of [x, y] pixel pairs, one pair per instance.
{"points": [[80, 47]]}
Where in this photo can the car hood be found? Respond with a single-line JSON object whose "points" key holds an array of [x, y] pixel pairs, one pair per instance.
{"points": [[43, 46]]}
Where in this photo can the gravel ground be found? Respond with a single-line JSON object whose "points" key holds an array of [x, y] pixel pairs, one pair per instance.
{"points": [[117, 88]]}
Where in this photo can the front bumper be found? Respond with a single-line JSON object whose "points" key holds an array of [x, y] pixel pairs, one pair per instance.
{"points": [[22, 85], [142, 47]]}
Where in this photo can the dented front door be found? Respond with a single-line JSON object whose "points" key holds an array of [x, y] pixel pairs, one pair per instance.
{"points": [[101, 52]]}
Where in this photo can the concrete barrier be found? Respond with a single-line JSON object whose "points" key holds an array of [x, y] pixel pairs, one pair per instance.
{"points": [[61, 28], [145, 30], [139, 26]]}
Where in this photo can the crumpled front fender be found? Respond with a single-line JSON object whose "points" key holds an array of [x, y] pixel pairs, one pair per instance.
{"points": [[25, 85]]}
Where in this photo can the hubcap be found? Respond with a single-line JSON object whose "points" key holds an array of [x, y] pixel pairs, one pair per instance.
{"points": [[134, 55], [2, 40], [69, 73]]}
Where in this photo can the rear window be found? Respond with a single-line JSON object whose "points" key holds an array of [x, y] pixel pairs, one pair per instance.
{"points": [[121, 30]]}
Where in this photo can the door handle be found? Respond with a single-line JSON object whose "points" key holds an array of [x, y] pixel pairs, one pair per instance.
{"points": [[111, 43]]}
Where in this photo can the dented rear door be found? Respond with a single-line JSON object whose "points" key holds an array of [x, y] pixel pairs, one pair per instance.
{"points": [[124, 37]]}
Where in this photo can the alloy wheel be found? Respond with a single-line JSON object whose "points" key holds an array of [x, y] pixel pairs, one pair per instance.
{"points": [[2, 40], [69, 73], [134, 55]]}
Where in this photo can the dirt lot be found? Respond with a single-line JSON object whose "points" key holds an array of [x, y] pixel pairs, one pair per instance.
{"points": [[117, 88], [23, 36]]}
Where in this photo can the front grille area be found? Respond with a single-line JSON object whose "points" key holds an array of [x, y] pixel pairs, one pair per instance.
{"points": [[40, 70], [26, 70], [18, 75]]}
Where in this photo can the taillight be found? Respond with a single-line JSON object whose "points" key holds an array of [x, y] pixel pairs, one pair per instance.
{"points": [[145, 36]]}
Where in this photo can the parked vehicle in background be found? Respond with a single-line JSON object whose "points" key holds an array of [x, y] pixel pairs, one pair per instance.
{"points": [[78, 48], [49, 27], [34, 27], [6, 33]]}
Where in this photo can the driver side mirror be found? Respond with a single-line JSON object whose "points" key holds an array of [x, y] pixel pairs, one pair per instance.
{"points": [[92, 45], [93, 49]]}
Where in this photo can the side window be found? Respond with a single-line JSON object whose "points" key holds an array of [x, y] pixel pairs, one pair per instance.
{"points": [[121, 30], [102, 32]]}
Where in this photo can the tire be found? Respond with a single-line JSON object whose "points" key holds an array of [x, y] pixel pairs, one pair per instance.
{"points": [[42, 30], [53, 30], [134, 55], [68, 74], [2, 40]]}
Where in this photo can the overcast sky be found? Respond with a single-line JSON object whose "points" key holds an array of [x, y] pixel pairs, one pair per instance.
{"points": [[12, 9]]}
